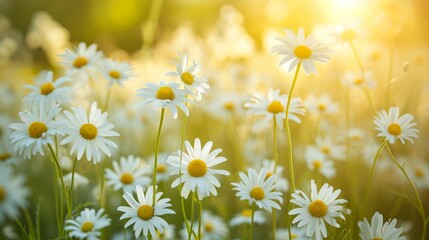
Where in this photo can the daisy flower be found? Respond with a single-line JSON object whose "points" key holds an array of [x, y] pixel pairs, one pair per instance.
{"points": [[81, 61], [316, 161], [348, 32], [13, 193], [89, 135], [128, 174], [258, 189], [77, 179], [116, 72], [359, 81], [299, 48], [330, 148], [212, 228], [297, 234], [197, 172], [37, 130], [393, 127], [165, 95], [245, 217], [322, 105], [47, 92], [225, 105], [419, 173], [315, 211], [274, 105], [282, 183], [162, 168], [88, 224], [188, 75], [379, 230], [144, 214]]}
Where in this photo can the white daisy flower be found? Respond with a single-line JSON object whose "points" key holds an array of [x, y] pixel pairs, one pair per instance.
{"points": [[188, 75], [258, 189], [167, 234], [196, 168], [245, 217], [225, 105], [274, 106], [165, 95], [379, 230], [13, 193], [78, 180], [315, 211], [128, 174], [393, 127], [88, 224], [89, 135], [116, 72], [145, 214], [162, 168], [359, 81], [419, 173], [316, 161], [212, 228], [331, 148], [322, 105], [282, 183], [47, 92], [37, 130], [299, 48], [82, 61], [297, 234], [348, 32]]}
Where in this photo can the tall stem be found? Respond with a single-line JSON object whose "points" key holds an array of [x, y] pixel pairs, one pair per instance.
{"points": [[389, 71], [155, 163], [200, 220], [276, 159], [371, 175], [252, 223]]}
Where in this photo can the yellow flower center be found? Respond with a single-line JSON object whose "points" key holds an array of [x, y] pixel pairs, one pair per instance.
{"points": [[127, 178], [2, 194], [377, 239], [419, 172], [187, 78], [257, 193], [80, 62], [208, 227], [229, 106], [303, 52], [46, 88], [5, 156], [318, 208], [36, 129], [294, 236], [358, 81], [275, 107], [246, 213], [317, 164], [321, 107], [348, 35], [145, 212], [269, 174], [115, 74], [394, 129], [88, 131], [326, 150], [87, 227], [197, 168], [165, 93], [161, 168]]}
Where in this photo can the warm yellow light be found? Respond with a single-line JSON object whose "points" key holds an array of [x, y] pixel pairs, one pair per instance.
{"points": [[345, 3]]}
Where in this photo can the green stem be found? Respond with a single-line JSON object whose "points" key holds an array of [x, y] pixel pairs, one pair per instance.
{"points": [[152, 23], [252, 223], [276, 159], [371, 175], [102, 185], [192, 216], [201, 218], [107, 100], [72, 181], [158, 136]]}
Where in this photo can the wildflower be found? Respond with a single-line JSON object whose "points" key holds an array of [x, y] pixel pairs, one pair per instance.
{"points": [[144, 214], [297, 234], [245, 217], [162, 168], [196, 168], [89, 135], [299, 48], [212, 228], [323, 206], [316, 161], [82, 61], [37, 130], [165, 95], [274, 106], [188, 75], [77, 179], [128, 174], [322, 105], [330, 147], [419, 173], [47, 92], [393, 127], [116, 72], [379, 230], [282, 183], [88, 224], [258, 189], [360, 81]]}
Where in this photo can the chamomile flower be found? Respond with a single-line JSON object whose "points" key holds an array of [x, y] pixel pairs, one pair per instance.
{"points": [[323, 206], [143, 213], [378, 229], [128, 174], [330, 147], [301, 49], [316, 161], [116, 72], [212, 228], [196, 168], [88, 224], [282, 183], [419, 173], [394, 127], [89, 135], [226, 105], [78, 179], [359, 81], [37, 130], [245, 217], [165, 95], [297, 234], [274, 106], [47, 92], [258, 189], [188, 75], [321, 106], [162, 168], [13, 193], [82, 61]]}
